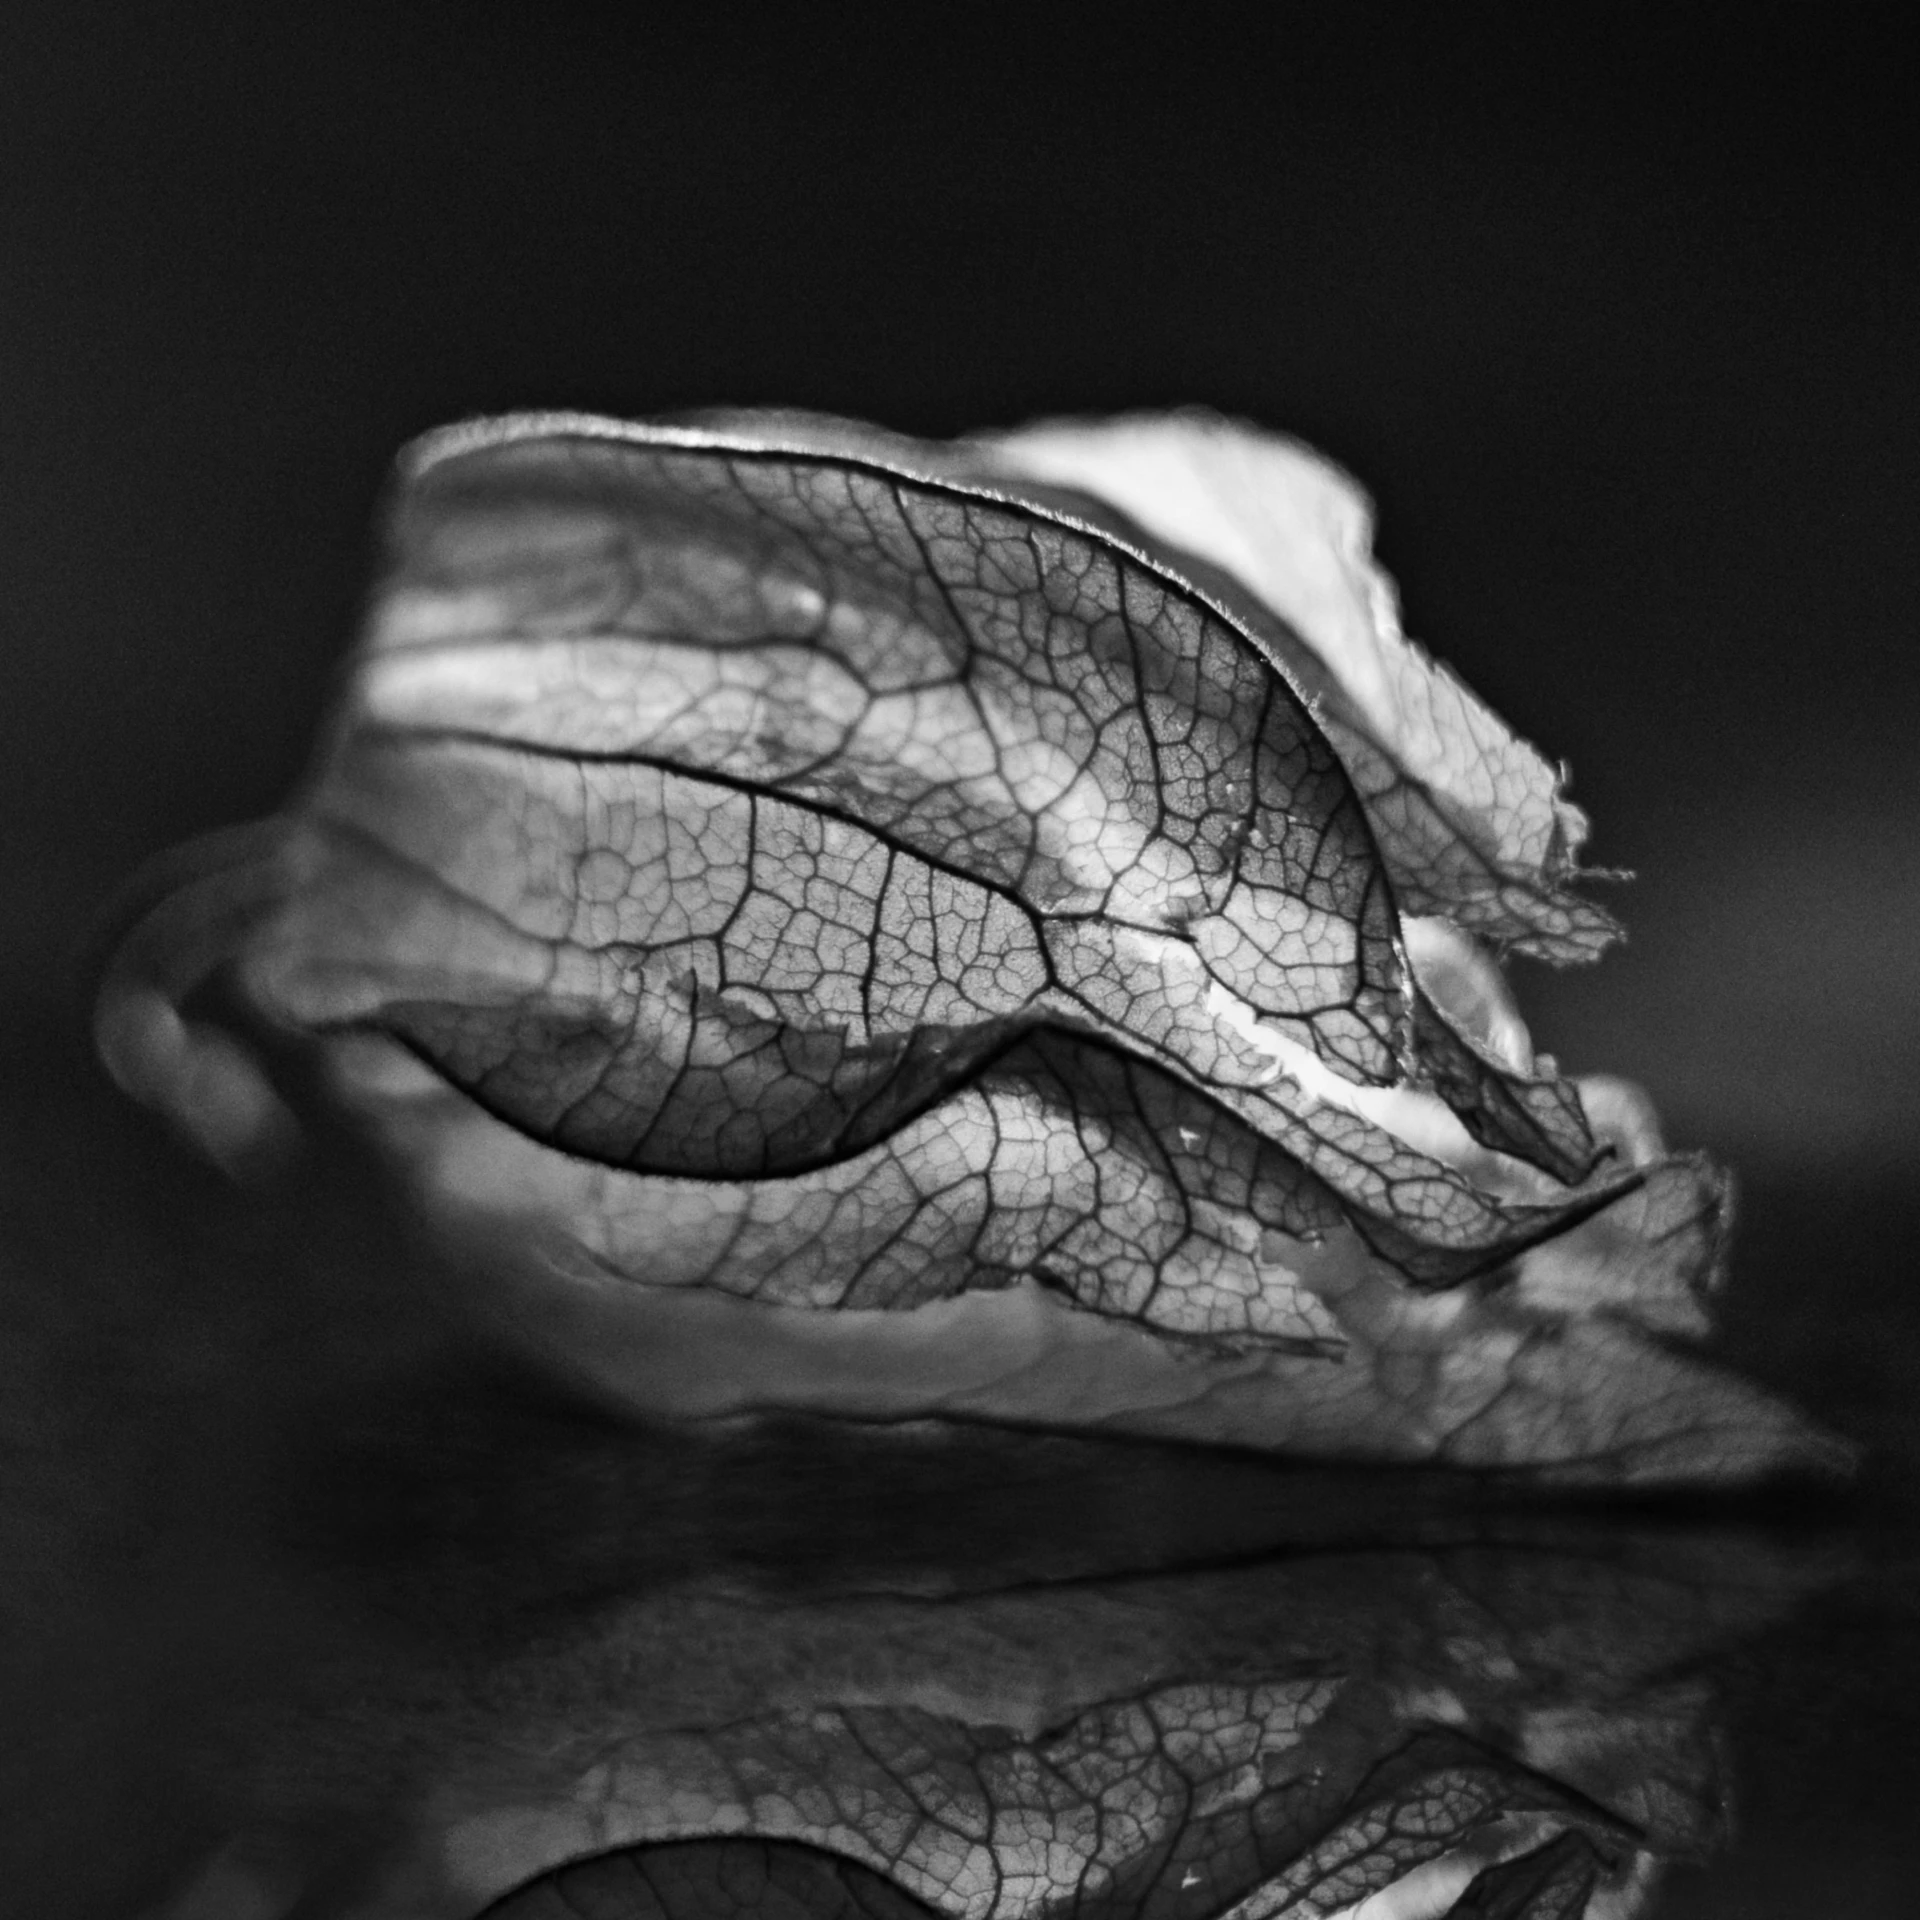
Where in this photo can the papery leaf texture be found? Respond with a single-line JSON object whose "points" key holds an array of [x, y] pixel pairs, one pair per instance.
{"points": [[904, 928], [1471, 819]]}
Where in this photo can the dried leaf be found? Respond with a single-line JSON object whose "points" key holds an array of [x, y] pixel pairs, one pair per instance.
{"points": [[795, 872], [1469, 818]]}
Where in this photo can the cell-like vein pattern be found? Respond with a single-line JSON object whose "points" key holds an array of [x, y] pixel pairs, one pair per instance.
{"points": [[929, 891], [1469, 818]]}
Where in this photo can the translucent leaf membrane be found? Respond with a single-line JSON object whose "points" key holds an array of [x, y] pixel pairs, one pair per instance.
{"points": [[1539, 1120], [782, 866], [756, 998], [1030, 741], [1469, 818], [1034, 707]]}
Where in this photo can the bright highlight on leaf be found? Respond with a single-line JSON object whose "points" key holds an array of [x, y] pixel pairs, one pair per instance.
{"points": [[1004, 929]]}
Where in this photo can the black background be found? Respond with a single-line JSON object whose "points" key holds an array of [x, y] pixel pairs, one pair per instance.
{"points": [[1614, 313]]}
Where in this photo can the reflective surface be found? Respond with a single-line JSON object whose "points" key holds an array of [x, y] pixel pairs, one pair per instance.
{"points": [[319, 1607]]}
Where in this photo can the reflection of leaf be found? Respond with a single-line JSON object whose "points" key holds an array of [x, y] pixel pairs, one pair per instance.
{"points": [[1437, 1817], [714, 1880], [793, 870], [546, 1642], [1287, 1739], [1426, 1829]]}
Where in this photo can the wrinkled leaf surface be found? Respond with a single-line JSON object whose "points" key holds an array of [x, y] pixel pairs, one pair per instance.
{"points": [[775, 863]]}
